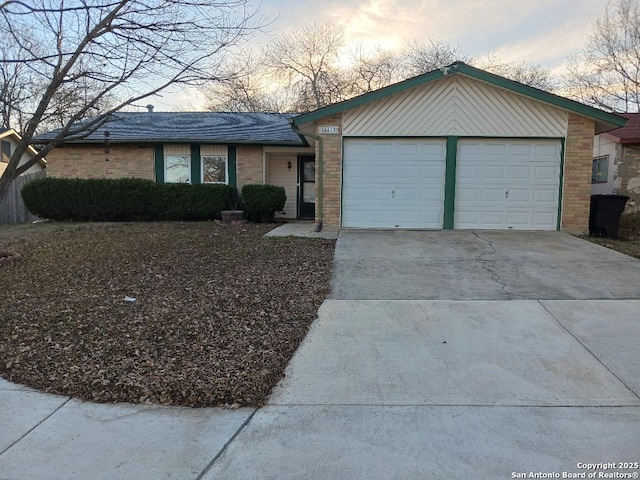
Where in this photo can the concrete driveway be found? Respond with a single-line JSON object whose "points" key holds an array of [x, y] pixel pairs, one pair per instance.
{"points": [[457, 355]]}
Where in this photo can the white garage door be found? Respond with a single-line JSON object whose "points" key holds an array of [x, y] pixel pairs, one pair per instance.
{"points": [[507, 184], [393, 183]]}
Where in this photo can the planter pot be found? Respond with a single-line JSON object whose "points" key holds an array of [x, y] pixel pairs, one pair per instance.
{"points": [[232, 215]]}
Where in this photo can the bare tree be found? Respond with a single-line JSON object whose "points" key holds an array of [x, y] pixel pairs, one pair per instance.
{"points": [[306, 59], [606, 73], [424, 56], [523, 72], [374, 69], [247, 86], [116, 52]]}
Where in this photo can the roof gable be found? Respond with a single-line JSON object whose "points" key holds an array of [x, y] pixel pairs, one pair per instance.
{"points": [[604, 120], [11, 134]]}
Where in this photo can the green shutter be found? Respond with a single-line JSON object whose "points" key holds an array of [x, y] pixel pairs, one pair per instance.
{"points": [[233, 177], [196, 169], [158, 153], [450, 183]]}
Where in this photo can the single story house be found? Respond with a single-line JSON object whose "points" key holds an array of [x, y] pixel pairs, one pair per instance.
{"points": [[616, 162], [8, 141], [455, 148]]}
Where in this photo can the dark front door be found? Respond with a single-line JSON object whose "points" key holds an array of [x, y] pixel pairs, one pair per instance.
{"points": [[307, 182]]}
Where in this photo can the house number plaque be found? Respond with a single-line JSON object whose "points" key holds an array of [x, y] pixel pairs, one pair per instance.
{"points": [[328, 130]]}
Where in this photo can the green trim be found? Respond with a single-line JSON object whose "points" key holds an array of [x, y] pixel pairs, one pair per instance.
{"points": [[459, 68], [450, 183], [233, 175], [196, 165], [559, 222], [158, 155]]}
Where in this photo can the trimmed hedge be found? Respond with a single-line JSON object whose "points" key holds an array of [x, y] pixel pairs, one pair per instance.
{"points": [[261, 202], [124, 199]]}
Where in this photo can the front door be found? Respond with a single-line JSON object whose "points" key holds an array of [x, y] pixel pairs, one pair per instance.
{"points": [[307, 182]]}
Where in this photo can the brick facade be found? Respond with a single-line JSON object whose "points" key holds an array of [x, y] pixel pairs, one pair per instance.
{"points": [[249, 165], [89, 161], [576, 192], [332, 168]]}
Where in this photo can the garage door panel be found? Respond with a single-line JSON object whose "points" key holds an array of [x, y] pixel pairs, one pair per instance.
{"points": [[546, 196], [404, 187], [524, 197], [550, 173]]}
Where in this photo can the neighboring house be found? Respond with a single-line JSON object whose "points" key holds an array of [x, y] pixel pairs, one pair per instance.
{"points": [[8, 141], [456, 148], [616, 162]]}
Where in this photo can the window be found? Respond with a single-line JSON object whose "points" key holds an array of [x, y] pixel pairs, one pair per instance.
{"points": [[600, 169], [6, 151], [177, 169], [214, 169]]}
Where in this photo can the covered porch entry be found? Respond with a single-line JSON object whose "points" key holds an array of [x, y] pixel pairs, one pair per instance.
{"points": [[294, 169]]}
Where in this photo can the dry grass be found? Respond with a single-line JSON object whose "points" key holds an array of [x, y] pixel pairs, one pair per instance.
{"points": [[218, 310]]}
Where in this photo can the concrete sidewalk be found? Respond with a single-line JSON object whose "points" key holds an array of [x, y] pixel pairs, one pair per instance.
{"points": [[48, 437], [439, 355]]}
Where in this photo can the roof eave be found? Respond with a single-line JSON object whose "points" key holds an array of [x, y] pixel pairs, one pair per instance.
{"points": [[155, 141]]}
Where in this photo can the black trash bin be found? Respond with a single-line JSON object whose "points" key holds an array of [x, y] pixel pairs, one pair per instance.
{"points": [[604, 215]]}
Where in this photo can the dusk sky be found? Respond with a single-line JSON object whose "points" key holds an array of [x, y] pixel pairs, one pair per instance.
{"points": [[542, 32]]}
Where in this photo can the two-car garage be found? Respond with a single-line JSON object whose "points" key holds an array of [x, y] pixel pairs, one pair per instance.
{"points": [[499, 183], [456, 148]]}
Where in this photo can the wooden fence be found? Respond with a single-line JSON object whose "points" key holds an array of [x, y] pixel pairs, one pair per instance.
{"points": [[12, 209]]}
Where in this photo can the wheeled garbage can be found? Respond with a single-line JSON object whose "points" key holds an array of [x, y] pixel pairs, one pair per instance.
{"points": [[604, 215]]}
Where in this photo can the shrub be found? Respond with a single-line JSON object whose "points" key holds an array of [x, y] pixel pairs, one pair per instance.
{"points": [[261, 202], [123, 199]]}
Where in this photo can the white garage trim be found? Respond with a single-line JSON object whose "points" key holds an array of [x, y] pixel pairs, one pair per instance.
{"points": [[393, 183], [507, 184]]}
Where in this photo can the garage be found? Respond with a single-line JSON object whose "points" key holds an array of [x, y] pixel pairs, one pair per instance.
{"points": [[455, 148], [393, 183], [507, 184]]}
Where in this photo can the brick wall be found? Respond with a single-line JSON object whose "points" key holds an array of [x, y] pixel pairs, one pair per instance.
{"points": [[331, 191], [249, 165], [576, 195], [88, 161]]}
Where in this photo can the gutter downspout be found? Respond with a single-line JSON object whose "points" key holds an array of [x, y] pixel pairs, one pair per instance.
{"points": [[320, 162]]}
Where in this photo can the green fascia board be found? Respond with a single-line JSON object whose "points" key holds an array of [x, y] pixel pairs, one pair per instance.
{"points": [[460, 68]]}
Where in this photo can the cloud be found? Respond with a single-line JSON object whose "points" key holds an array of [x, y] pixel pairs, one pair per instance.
{"points": [[540, 32]]}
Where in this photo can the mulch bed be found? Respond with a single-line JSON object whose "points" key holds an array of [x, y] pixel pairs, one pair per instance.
{"points": [[218, 311]]}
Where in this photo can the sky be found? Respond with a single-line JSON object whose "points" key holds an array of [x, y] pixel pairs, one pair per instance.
{"points": [[543, 32]]}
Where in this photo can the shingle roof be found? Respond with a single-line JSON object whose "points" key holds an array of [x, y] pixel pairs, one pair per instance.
{"points": [[193, 127], [630, 133]]}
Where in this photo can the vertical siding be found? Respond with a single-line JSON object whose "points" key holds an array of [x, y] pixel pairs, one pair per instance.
{"points": [[456, 106], [279, 174], [217, 150], [177, 150]]}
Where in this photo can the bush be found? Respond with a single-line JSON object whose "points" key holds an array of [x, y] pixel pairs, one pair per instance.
{"points": [[124, 199], [261, 202]]}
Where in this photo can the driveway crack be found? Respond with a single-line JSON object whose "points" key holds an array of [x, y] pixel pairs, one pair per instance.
{"points": [[487, 265]]}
